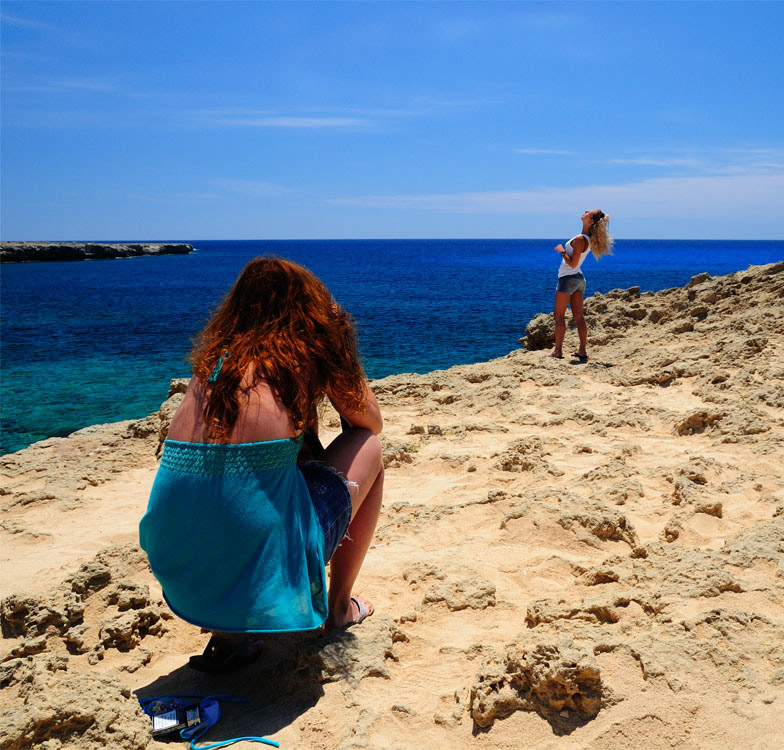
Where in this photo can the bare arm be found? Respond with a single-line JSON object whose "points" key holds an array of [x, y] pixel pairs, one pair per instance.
{"points": [[579, 246], [370, 417]]}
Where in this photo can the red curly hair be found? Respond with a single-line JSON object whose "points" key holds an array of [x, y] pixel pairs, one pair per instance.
{"points": [[280, 319]]}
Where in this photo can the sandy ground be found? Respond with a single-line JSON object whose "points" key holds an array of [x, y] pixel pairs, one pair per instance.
{"points": [[569, 556]]}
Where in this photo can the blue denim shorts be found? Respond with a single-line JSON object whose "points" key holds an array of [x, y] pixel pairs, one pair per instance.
{"points": [[332, 501], [574, 282]]}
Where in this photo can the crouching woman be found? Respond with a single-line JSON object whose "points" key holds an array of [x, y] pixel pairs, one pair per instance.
{"points": [[241, 521]]}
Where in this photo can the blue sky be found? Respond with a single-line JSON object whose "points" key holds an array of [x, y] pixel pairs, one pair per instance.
{"points": [[198, 120]]}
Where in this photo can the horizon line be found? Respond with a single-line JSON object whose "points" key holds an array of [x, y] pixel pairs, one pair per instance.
{"points": [[387, 239]]}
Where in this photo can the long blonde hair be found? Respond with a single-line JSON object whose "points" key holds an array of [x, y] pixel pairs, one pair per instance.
{"points": [[601, 242]]}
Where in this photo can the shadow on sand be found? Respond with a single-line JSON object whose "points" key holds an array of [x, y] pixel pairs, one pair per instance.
{"points": [[574, 361], [282, 684]]}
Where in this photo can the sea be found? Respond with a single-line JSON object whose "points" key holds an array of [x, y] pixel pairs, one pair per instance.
{"points": [[90, 342]]}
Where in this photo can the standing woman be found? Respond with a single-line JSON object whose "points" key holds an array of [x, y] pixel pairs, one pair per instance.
{"points": [[240, 524], [571, 282]]}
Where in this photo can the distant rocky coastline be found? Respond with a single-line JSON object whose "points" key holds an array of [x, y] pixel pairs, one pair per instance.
{"points": [[26, 252]]}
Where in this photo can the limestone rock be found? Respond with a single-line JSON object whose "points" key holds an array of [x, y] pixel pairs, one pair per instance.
{"points": [[356, 735], [624, 491], [126, 594], [606, 608], [418, 572], [698, 421], [604, 523], [60, 612], [525, 454], [672, 529], [126, 630], [167, 411], [66, 466], [561, 682], [395, 454], [764, 541], [32, 616], [473, 593], [675, 572], [157, 424], [90, 577], [352, 654], [539, 333], [74, 711], [27, 647]]}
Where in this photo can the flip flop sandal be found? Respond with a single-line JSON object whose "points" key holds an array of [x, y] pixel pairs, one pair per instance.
{"points": [[219, 657], [581, 357], [363, 611]]}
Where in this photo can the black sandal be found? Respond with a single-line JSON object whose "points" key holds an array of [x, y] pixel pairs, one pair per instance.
{"points": [[221, 655]]}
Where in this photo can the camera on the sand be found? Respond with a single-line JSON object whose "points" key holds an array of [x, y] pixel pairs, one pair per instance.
{"points": [[173, 714]]}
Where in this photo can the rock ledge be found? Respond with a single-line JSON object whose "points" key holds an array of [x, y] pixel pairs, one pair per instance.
{"points": [[25, 252]]}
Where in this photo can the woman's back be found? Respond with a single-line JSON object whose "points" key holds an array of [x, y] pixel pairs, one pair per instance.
{"points": [[261, 416]]}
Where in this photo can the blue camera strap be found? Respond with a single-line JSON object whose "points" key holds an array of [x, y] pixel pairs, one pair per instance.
{"points": [[209, 709]]}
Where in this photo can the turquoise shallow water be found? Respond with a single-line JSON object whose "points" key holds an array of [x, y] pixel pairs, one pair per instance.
{"points": [[90, 342]]}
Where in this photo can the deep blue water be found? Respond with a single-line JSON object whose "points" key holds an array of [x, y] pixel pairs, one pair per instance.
{"points": [[98, 341]]}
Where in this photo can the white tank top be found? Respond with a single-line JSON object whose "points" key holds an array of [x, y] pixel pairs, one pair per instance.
{"points": [[567, 270]]}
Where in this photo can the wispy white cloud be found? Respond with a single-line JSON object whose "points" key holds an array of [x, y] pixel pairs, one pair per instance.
{"points": [[704, 197], [298, 122], [26, 56], [175, 197], [23, 22], [250, 187], [94, 85], [550, 20], [544, 152], [223, 189], [460, 29], [84, 84], [425, 105], [326, 117], [248, 118], [755, 150], [649, 161], [723, 160]]}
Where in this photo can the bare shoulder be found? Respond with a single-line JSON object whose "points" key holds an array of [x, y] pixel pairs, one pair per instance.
{"points": [[187, 423]]}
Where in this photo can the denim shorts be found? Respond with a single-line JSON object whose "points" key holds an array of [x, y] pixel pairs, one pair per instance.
{"points": [[332, 501], [574, 282]]}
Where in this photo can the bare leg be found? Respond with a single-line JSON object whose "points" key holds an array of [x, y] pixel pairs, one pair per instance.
{"points": [[579, 319], [356, 453], [559, 313]]}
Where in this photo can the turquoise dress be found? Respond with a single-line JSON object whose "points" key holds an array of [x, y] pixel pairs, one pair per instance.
{"points": [[232, 535]]}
